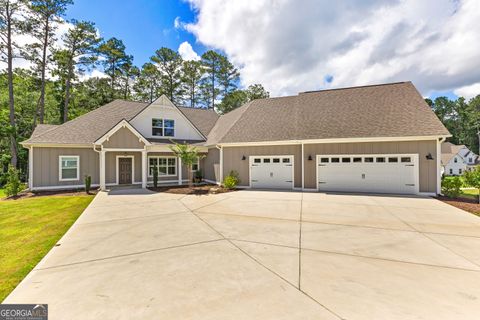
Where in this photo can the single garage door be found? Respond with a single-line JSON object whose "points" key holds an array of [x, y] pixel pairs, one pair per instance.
{"points": [[388, 173], [271, 172]]}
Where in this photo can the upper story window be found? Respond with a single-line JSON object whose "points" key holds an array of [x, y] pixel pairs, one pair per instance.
{"points": [[69, 168], [455, 160], [470, 160], [163, 127]]}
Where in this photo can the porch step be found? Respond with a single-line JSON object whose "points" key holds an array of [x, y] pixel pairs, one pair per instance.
{"points": [[125, 187]]}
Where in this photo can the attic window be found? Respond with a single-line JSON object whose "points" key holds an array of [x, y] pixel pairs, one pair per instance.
{"points": [[163, 127]]}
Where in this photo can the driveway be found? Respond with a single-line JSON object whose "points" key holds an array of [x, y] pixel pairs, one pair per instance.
{"points": [[261, 255]]}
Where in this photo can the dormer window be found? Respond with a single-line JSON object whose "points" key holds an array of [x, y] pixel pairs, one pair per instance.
{"points": [[163, 127], [455, 160]]}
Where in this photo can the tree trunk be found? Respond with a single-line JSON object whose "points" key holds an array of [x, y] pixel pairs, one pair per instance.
{"points": [[190, 180], [11, 101], [41, 101], [112, 81], [67, 93]]}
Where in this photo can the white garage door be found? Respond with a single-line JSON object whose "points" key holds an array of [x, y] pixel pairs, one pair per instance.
{"points": [[271, 172], [389, 173]]}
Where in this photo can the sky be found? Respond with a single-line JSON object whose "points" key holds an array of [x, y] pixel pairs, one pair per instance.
{"points": [[291, 46]]}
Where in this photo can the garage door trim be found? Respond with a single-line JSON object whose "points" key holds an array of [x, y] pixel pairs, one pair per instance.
{"points": [[414, 157], [250, 162]]}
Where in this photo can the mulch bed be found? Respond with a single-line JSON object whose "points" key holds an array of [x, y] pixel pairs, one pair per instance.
{"points": [[469, 205], [198, 190], [29, 194]]}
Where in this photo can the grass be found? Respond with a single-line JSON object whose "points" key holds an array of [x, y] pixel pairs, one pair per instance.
{"points": [[470, 193], [2, 193], [29, 228]]}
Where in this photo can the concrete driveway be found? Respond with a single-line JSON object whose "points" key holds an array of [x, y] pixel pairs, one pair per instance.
{"points": [[261, 255]]}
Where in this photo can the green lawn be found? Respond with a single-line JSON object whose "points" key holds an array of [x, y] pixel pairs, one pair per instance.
{"points": [[2, 193], [29, 228], [470, 193]]}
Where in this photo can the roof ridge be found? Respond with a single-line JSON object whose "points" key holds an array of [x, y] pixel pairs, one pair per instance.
{"points": [[356, 87]]}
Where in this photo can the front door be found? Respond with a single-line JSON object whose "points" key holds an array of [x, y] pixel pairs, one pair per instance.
{"points": [[125, 170]]}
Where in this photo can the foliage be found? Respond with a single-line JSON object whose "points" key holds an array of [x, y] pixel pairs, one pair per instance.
{"points": [[88, 184], [13, 185], [472, 178], [188, 155], [155, 176], [198, 176], [29, 228], [451, 187], [169, 65], [237, 98], [232, 180]]}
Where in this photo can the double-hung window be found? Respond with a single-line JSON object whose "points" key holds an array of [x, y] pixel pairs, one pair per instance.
{"points": [[166, 166], [196, 165], [163, 127], [69, 168]]}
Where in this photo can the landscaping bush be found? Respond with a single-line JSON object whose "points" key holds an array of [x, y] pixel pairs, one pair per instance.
{"points": [[155, 176], [231, 181], [88, 183], [13, 185], [198, 176], [451, 187], [472, 178]]}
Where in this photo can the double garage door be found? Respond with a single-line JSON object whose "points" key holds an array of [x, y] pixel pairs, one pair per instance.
{"points": [[388, 173]]}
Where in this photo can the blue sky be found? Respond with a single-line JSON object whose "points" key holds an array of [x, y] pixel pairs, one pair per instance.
{"points": [[144, 26], [290, 48]]}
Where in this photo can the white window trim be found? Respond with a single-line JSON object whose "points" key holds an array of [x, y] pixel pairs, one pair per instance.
{"points": [[60, 168], [117, 178], [162, 175], [163, 128], [198, 165]]}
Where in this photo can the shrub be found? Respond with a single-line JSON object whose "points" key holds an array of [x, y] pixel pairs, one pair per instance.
{"points": [[13, 185], [472, 178], [231, 181], [155, 176], [198, 176], [88, 183], [451, 187]]}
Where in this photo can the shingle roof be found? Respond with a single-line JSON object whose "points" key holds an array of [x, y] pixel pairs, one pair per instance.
{"points": [[94, 124], [449, 150], [388, 110]]}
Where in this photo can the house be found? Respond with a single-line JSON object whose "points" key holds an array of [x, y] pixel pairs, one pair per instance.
{"points": [[379, 138], [456, 159]]}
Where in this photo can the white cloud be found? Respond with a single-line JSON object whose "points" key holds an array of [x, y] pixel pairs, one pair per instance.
{"points": [[95, 73], [468, 92], [186, 51], [290, 47]]}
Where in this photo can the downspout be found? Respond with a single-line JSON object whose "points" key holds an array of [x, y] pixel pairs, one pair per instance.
{"points": [[439, 164], [221, 164]]}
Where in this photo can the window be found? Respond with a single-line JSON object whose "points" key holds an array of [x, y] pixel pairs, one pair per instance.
{"points": [[167, 166], [163, 127], [357, 159], [368, 159], [451, 171], [69, 168], [286, 160], [455, 160], [276, 160], [266, 160], [196, 165], [335, 160], [380, 159], [257, 160], [470, 160], [459, 171], [393, 159], [324, 160], [346, 160], [406, 159]]}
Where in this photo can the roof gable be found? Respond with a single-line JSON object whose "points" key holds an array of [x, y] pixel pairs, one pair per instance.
{"points": [[123, 131]]}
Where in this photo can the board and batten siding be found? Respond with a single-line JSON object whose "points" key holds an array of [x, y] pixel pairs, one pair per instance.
{"points": [[232, 160], [211, 165], [111, 166], [46, 166], [125, 139], [427, 171]]}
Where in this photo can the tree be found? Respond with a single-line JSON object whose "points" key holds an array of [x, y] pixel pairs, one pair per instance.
{"points": [[232, 101], [257, 91], [212, 62], [146, 84], [80, 52], [44, 20], [192, 74], [472, 178], [113, 52], [10, 25], [228, 76], [169, 63], [129, 74], [188, 155]]}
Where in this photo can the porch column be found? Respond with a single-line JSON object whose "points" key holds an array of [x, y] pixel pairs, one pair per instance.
{"points": [[179, 171], [30, 168], [144, 169], [102, 170]]}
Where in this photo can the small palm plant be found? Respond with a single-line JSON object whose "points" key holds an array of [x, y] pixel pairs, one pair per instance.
{"points": [[189, 155]]}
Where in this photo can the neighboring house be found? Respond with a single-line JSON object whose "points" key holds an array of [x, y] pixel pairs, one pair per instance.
{"points": [[379, 138], [456, 159]]}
